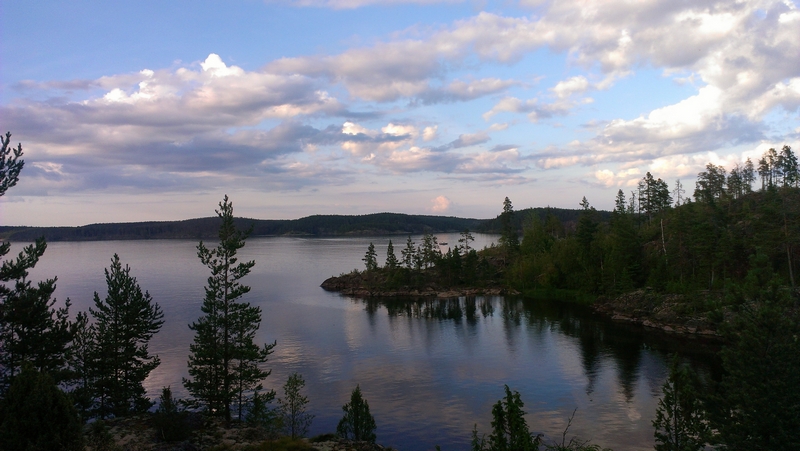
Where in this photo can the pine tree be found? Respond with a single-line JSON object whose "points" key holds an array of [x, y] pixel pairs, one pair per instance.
{"points": [[124, 323], [680, 423], [32, 329], [225, 365], [463, 242], [296, 420], [357, 423], [508, 239], [10, 164]]}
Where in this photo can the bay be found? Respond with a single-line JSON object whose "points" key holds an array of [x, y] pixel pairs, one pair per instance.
{"points": [[430, 370]]}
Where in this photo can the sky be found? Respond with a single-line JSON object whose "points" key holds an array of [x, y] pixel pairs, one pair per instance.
{"points": [[152, 110]]}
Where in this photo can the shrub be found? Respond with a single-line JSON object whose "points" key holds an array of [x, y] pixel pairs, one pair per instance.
{"points": [[36, 415], [171, 422]]}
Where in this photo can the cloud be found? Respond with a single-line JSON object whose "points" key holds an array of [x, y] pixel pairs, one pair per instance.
{"points": [[535, 110], [472, 139], [214, 122], [574, 85], [440, 204], [460, 91]]}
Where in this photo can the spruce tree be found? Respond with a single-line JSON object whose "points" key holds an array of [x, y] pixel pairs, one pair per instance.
{"points": [[391, 258], [357, 423], [680, 423], [225, 365], [408, 253], [124, 323], [758, 406], [370, 258]]}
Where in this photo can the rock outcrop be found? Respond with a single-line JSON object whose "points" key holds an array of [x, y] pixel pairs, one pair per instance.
{"points": [[666, 312]]}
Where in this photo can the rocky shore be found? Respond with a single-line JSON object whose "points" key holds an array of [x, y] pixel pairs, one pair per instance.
{"points": [[665, 312], [361, 285], [138, 433]]}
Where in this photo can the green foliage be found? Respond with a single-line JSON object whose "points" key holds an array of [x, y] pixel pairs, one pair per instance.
{"points": [[409, 252], [32, 329], [509, 239], [370, 258], [758, 405], [509, 428], [124, 323], [281, 444], [357, 423], [261, 416], [680, 423], [170, 420], [100, 437], [225, 365], [36, 415], [295, 419], [391, 258], [10, 163]]}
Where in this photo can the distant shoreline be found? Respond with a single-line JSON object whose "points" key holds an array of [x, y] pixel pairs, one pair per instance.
{"points": [[311, 226]]}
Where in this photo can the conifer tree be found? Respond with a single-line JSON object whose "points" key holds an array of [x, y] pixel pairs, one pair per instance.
{"points": [[36, 415], [509, 429], [370, 258], [680, 423], [408, 253], [357, 423], [509, 239], [463, 242], [296, 420], [225, 365], [124, 323], [32, 329], [391, 258]]}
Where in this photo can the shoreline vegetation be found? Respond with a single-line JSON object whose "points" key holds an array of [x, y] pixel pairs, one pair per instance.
{"points": [[721, 264], [660, 259], [316, 225]]}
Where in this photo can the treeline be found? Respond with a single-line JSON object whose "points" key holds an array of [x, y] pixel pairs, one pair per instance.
{"points": [[728, 234], [205, 228], [316, 225]]}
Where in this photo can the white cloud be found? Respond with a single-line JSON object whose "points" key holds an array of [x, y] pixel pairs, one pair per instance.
{"points": [[440, 204], [574, 85]]}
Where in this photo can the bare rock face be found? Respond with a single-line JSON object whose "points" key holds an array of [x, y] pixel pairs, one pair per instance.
{"points": [[658, 311]]}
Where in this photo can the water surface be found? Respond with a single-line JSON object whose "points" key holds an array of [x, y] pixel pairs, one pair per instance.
{"points": [[429, 369]]}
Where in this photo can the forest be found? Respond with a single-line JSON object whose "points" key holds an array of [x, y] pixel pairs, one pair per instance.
{"points": [[730, 252]]}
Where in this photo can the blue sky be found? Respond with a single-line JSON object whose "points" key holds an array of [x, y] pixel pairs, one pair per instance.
{"points": [[154, 110]]}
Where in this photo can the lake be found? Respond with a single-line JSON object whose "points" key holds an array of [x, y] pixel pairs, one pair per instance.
{"points": [[430, 370]]}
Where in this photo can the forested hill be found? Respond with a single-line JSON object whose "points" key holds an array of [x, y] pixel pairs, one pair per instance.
{"points": [[316, 225]]}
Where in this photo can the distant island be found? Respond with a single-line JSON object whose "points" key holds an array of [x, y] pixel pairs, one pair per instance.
{"points": [[316, 225]]}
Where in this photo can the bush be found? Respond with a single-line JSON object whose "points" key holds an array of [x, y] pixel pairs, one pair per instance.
{"points": [[36, 415], [171, 422], [282, 444]]}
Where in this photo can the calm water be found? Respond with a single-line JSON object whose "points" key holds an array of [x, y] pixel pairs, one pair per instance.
{"points": [[430, 370]]}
